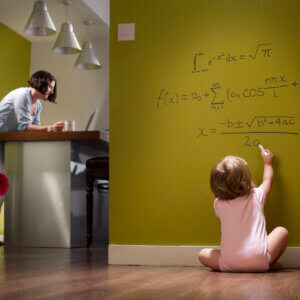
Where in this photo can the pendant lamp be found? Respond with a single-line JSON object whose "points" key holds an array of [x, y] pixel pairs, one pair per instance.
{"points": [[87, 59], [66, 42], [39, 22]]}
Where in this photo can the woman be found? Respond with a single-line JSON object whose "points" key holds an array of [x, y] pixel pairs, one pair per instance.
{"points": [[21, 108]]}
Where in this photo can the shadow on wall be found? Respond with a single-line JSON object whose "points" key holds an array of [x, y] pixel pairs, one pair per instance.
{"points": [[103, 116]]}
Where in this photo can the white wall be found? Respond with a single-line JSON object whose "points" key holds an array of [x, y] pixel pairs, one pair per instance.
{"points": [[101, 8], [79, 92]]}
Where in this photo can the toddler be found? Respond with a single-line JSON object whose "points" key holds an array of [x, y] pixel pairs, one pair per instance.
{"points": [[245, 245]]}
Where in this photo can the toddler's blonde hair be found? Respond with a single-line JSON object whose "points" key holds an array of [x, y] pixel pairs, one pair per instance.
{"points": [[231, 178]]}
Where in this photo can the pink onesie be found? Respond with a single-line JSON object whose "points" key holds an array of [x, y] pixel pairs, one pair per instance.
{"points": [[244, 236]]}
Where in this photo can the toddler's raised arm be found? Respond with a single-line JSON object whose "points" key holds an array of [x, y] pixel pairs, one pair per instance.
{"points": [[268, 172]]}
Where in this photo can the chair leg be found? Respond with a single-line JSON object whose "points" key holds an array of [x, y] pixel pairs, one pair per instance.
{"points": [[89, 211]]}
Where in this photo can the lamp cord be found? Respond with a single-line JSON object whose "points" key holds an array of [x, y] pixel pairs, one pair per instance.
{"points": [[87, 32], [67, 13]]}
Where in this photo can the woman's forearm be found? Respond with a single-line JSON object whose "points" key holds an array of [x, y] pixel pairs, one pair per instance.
{"points": [[56, 127], [31, 128]]}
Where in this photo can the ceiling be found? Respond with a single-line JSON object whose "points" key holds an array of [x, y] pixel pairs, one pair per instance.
{"points": [[15, 14]]}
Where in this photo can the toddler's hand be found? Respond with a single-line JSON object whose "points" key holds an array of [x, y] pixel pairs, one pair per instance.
{"points": [[267, 158]]}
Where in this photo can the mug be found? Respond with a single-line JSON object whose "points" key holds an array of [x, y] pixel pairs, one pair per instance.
{"points": [[69, 126]]}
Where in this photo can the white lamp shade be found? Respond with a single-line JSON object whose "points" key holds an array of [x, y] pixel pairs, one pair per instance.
{"points": [[66, 42], [87, 59], [40, 23]]}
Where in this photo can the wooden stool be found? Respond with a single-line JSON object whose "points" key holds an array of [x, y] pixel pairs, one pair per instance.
{"points": [[96, 168]]}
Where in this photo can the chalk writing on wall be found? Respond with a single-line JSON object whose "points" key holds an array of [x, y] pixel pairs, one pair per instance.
{"points": [[256, 125], [217, 94], [202, 63]]}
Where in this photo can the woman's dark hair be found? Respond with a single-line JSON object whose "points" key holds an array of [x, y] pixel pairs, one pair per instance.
{"points": [[40, 81]]}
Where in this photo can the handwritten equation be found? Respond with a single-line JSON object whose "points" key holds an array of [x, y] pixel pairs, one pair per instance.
{"points": [[217, 95], [256, 125], [202, 63]]}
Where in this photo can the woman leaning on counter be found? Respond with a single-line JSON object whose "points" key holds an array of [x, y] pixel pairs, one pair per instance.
{"points": [[21, 108]]}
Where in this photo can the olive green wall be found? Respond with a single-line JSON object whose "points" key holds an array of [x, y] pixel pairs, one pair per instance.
{"points": [[203, 79], [15, 67]]}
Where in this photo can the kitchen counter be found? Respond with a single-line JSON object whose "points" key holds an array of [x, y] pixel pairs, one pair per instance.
{"points": [[45, 205]]}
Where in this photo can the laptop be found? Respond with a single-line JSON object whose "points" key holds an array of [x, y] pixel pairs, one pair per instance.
{"points": [[91, 124]]}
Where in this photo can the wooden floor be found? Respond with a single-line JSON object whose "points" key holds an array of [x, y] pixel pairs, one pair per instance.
{"points": [[43, 273]]}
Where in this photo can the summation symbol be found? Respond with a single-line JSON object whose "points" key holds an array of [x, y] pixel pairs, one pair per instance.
{"points": [[214, 89]]}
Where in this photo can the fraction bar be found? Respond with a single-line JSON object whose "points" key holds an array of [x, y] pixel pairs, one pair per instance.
{"points": [[249, 132]]}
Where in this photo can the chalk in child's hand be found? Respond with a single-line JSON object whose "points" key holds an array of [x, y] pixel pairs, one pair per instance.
{"points": [[262, 149]]}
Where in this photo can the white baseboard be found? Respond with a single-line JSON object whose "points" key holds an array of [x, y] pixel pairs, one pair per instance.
{"points": [[1, 237], [177, 255]]}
